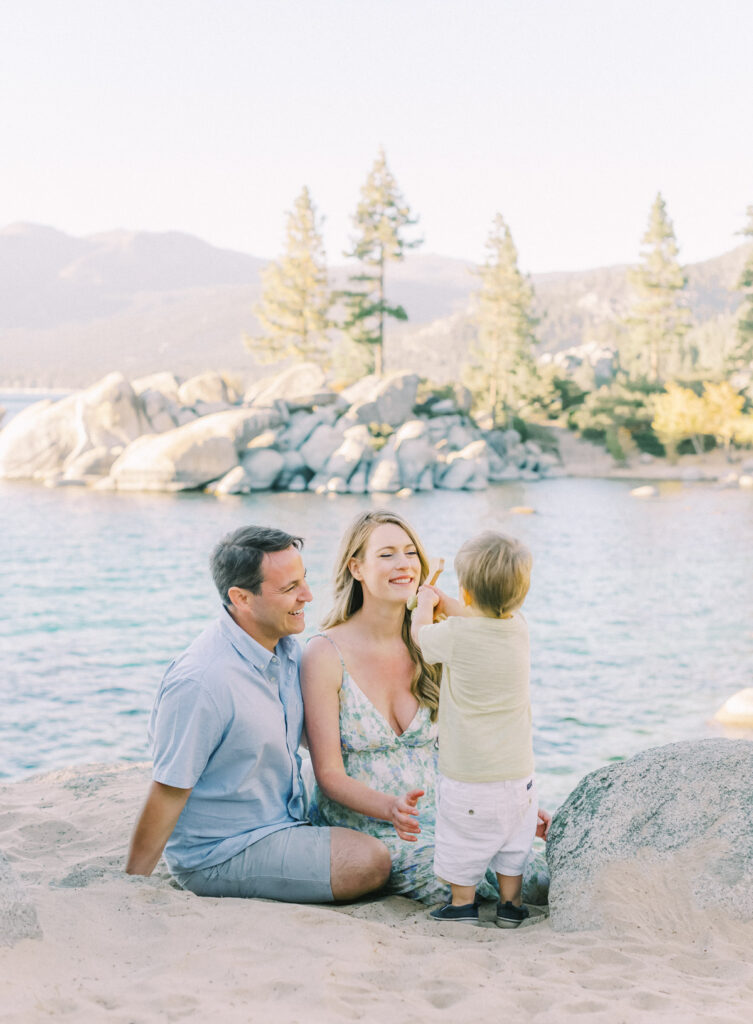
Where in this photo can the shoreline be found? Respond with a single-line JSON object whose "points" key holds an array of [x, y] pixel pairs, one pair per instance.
{"points": [[142, 950]]}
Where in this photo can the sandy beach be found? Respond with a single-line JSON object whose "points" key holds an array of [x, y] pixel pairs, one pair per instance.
{"points": [[115, 948]]}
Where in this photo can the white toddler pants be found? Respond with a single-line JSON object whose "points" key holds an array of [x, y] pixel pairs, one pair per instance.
{"points": [[482, 825]]}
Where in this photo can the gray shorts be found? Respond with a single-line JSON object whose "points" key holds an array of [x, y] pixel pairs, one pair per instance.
{"points": [[292, 865]]}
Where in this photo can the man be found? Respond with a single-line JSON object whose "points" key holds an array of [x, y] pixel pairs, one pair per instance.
{"points": [[226, 803]]}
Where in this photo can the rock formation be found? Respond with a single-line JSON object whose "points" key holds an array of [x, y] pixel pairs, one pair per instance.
{"points": [[289, 432], [685, 808]]}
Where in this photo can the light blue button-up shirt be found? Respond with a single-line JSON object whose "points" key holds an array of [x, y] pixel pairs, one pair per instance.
{"points": [[227, 723]]}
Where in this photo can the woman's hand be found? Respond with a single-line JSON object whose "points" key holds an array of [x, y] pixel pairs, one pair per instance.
{"points": [[542, 826], [403, 813]]}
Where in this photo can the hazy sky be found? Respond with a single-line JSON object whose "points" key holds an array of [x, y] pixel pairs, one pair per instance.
{"points": [[208, 116]]}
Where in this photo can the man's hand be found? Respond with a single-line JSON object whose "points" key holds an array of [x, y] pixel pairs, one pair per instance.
{"points": [[154, 827], [542, 827], [403, 813]]}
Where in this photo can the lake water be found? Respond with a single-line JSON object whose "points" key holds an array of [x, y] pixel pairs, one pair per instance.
{"points": [[640, 611]]}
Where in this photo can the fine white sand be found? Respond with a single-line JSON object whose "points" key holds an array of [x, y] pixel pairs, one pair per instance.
{"points": [[136, 950]]}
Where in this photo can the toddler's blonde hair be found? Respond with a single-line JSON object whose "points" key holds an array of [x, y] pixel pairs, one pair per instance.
{"points": [[495, 570]]}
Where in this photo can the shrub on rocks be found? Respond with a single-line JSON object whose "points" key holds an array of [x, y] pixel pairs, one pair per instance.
{"points": [[685, 806]]}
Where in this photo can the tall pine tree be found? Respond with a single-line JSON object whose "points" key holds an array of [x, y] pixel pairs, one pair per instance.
{"points": [[659, 318], [295, 299], [380, 221], [742, 354], [501, 360]]}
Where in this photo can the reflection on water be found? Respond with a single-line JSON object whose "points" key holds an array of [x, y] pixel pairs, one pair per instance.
{"points": [[641, 612]]}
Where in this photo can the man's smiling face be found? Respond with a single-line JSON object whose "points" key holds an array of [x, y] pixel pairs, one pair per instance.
{"points": [[278, 610]]}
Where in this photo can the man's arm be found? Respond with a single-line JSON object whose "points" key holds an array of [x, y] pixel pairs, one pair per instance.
{"points": [[154, 827]]}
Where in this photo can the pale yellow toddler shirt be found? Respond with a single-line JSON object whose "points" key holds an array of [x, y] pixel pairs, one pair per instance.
{"points": [[484, 699]]}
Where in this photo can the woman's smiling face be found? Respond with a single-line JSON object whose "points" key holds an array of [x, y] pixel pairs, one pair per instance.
{"points": [[389, 568]]}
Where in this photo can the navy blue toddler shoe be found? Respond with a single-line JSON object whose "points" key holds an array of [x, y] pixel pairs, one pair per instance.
{"points": [[467, 914], [510, 916]]}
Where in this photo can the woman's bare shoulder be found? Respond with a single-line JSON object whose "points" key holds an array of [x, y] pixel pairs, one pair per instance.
{"points": [[321, 658]]}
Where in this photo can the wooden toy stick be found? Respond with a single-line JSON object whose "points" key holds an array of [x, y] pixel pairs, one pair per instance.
{"points": [[438, 568]]}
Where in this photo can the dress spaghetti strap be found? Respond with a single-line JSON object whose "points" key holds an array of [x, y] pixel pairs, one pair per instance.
{"points": [[337, 649]]}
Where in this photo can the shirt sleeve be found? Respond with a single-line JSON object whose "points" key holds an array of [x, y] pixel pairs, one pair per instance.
{"points": [[186, 730], [435, 641]]}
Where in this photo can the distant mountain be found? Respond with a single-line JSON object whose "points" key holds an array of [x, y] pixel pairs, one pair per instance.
{"points": [[71, 309]]}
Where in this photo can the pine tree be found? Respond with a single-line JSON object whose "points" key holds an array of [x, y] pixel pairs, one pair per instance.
{"points": [[380, 220], [295, 299], [502, 367], [659, 318], [742, 354]]}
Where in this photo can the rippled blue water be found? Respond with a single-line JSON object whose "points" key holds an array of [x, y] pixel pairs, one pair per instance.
{"points": [[641, 612]]}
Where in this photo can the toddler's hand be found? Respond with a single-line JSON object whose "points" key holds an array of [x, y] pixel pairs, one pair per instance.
{"points": [[542, 826], [403, 813], [428, 596]]}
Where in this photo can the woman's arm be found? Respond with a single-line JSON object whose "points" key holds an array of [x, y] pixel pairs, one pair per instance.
{"points": [[321, 677]]}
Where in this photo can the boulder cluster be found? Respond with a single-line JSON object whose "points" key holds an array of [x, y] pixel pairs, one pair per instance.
{"points": [[288, 432]]}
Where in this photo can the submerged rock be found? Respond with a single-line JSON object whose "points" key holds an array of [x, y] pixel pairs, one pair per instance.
{"points": [[738, 710], [686, 806]]}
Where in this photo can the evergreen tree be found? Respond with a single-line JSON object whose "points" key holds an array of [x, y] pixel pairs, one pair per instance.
{"points": [[295, 299], [380, 220], [742, 354], [659, 318], [502, 369]]}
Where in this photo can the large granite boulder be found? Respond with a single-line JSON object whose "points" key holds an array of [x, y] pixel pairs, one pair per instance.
{"points": [[161, 411], [385, 475], [208, 389], [415, 452], [46, 435], [300, 427], [166, 383], [686, 808], [193, 455], [354, 449], [299, 385], [382, 399], [467, 469], [18, 916], [94, 463], [320, 445], [180, 460], [258, 471]]}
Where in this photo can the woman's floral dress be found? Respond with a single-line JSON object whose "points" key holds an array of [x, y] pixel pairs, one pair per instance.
{"points": [[374, 754]]}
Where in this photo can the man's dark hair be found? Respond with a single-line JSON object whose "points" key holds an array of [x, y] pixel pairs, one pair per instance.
{"points": [[236, 561]]}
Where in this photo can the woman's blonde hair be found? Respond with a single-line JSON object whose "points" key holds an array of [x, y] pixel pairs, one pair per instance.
{"points": [[495, 570], [349, 597]]}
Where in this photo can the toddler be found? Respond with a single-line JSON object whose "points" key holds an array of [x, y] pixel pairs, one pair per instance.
{"points": [[486, 794]]}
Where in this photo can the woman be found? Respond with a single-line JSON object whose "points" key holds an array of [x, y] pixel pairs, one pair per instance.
{"points": [[371, 705]]}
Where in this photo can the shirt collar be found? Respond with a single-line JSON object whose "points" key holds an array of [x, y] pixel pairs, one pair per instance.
{"points": [[250, 649]]}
